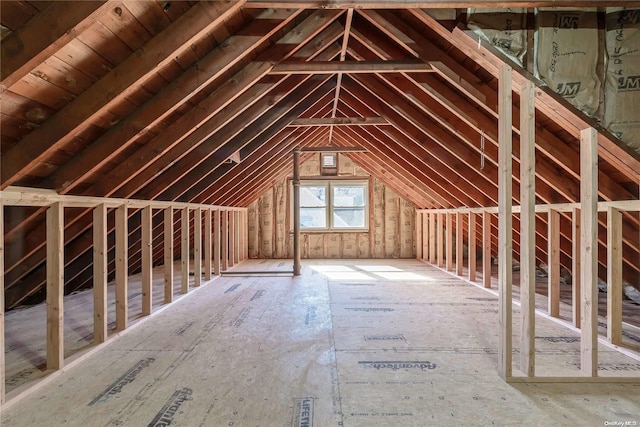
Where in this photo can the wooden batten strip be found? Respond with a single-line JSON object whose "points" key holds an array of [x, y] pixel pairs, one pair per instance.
{"points": [[527, 230], [122, 261], [449, 241], [486, 250], [168, 255], [184, 250], [614, 276], [425, 236], [623, 205], [55, 286], [472, 247], [208, 235], [589, 251], [440, 239], [216, 242], [505, 239], [2, 346], [553, 263], [197, 247], [419, 236], [576, 273], [432, 238], [231, 235], [147, 260], [224, 255], [459, 244], [237, 243], [100, 263]]}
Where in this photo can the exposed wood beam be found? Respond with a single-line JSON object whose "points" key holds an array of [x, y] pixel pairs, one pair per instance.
{"points": [[527, 230], [589, 252], [550, 177], [196, 182], [433, 4], [100, 274], [249, 183], [505, 227], [343, 55], [394, 151], [351, 67], [29, 45], [310, 30], [220, 60], [240, 179], [334, 149], [55, 286], [341, 121], [237, 177], [119, 82], [610, 149], [386, 160]]}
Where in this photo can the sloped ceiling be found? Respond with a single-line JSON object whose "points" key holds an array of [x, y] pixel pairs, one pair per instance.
{"points": [[204, 102]]}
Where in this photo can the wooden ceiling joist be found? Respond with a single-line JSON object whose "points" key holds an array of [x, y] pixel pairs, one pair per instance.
{"points": [[433, 4], [162, 99], [340, 121], [163, 48], [351, 67], [220, 60]]}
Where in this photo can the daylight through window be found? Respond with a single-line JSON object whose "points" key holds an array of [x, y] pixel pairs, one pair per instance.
{"points": [[334, 205]]}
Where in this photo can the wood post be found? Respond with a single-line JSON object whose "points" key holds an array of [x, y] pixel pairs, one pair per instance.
{"points": [[2, 359], [236, 230], [122, 261], [432, 238], [216, 242], [147, 260], [297, 264], [55, 286], [241, 235], [100, 263], [614, 276], [425, 236], [589, 251], [419, 236], [440, 240], [197, 247], [505, 243], [459, 244], [246, 234], [527, 229], [184, 251], [486, 249], [224, 224], [168, 255], [575, 266], [472, 247], [449, 241], [232, 238], [553, 263], [208, 234]]}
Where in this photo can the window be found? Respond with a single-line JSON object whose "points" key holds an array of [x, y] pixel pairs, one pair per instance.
{"points": [[334, 205]]}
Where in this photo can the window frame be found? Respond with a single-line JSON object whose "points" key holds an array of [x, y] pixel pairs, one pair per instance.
{"points": [[330, 184]]}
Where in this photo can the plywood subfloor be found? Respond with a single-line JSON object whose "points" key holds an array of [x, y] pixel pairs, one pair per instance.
{"points": [[352, 343]]}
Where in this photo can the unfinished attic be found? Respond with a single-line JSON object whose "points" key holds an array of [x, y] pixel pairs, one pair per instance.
{"points": [[320, 212]]}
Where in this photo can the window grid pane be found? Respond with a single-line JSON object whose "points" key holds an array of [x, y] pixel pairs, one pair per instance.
{"points": [[334, 205]]}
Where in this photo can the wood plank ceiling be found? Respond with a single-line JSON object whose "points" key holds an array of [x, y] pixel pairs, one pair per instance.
{"points": [[204, 102]]}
